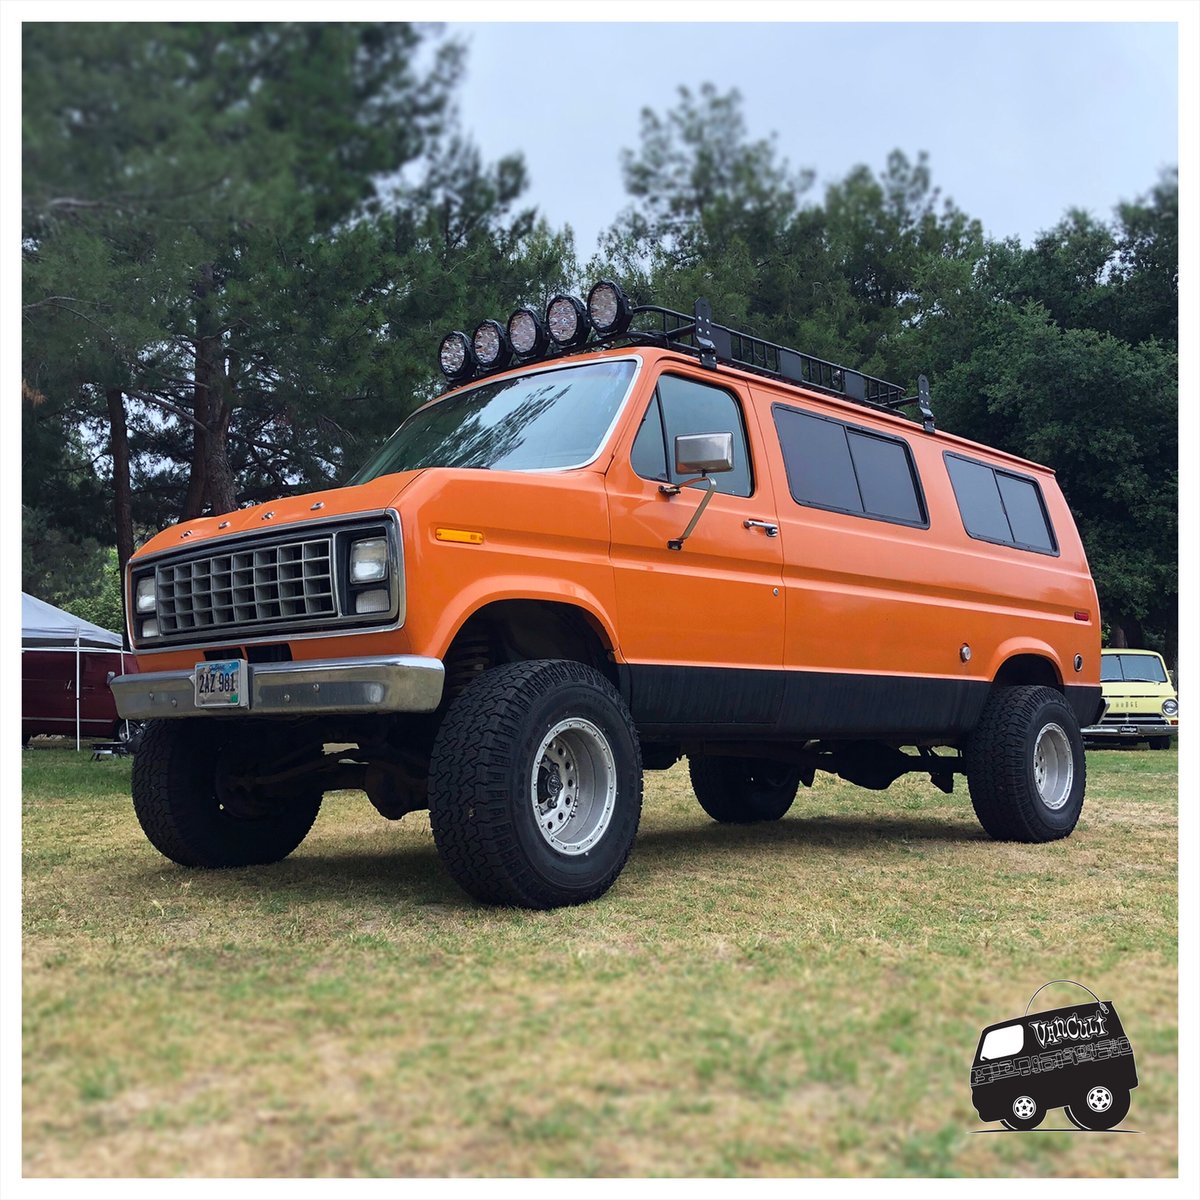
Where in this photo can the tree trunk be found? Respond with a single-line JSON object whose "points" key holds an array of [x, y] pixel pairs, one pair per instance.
{"points": [[222, 490], [122, 494], [212, 476], [193, 503]]}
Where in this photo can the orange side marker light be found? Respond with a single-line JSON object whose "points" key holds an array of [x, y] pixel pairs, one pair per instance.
{"points": [[469, 537]]}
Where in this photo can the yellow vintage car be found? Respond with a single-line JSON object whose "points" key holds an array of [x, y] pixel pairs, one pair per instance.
{"points": [[1141, 702]]}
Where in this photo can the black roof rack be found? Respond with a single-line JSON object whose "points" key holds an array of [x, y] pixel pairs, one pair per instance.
{"points": [[698, 334]]}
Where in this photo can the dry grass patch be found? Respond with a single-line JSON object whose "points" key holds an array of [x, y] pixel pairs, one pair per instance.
{"points": [[802, 998]]}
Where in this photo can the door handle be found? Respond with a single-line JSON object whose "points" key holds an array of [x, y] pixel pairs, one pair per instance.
{"points": [[771, 528]]}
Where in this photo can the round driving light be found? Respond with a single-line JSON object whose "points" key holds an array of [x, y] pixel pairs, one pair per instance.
{"points": [[567, 321], [609, 309], [455, 356], [526, 333], [1170, 707], [491, 345]]}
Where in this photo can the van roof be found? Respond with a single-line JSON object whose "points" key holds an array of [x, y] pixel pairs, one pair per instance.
{"points": [[851, 409]]}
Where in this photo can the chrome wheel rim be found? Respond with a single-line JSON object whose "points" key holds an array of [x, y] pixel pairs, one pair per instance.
{"points": [[573, 786], [1099, 1099], [1053, 766], [1024, 1108]]}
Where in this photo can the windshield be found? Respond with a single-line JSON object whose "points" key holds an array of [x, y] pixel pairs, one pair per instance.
{"points": [[535, 422], [1133, 668]]}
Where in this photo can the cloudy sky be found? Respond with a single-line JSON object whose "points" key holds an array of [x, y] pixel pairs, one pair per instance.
{"points": [[1021, 121]]}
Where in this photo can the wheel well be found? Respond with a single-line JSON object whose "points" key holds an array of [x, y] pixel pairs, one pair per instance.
{"points": [[519, 630], [1029, 669]]}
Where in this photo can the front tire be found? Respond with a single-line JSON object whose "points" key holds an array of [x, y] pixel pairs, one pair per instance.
{"points": [[1025, 765], [742, 791], [1160, 743], [1027, 1113], [191, 806], [535, 785]]}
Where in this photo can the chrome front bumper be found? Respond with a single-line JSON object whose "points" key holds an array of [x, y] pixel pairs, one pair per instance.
{"points": [[1131, 731], [400, 683]]}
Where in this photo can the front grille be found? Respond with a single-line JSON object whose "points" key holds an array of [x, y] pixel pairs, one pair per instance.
{"points": [[283, 581], [1134, 719]]}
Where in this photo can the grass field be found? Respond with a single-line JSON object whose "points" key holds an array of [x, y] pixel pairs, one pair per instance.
{"points": [[800, 999]]}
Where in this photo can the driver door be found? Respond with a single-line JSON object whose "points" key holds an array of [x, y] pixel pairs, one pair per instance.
{"points": [[701, 627]]}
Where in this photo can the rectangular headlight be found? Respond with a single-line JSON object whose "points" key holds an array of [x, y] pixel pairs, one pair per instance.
{"points": [[145, 594], [368, 560]]}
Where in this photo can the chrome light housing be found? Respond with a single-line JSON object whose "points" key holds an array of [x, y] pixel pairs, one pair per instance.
{"points": [[1170, 707], [456, 356], [567, 321], [609, 309]]}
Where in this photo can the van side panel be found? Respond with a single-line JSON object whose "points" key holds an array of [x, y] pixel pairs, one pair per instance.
{"points": [[890, 622]]}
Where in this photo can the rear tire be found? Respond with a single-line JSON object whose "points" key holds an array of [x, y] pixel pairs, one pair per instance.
{"points": [[189, 808], [741, 791], [1099, 1108], [1025, 765], [535, 785]]}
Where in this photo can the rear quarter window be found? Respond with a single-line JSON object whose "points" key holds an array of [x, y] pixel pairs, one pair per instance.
{"points": [[1000, 506]]}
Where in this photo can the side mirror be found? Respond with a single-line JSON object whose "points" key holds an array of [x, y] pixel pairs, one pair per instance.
{"points": [[700, 454], [703, 453]]}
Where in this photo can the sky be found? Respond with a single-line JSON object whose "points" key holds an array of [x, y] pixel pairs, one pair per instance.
{"points": [[1020, 121]]}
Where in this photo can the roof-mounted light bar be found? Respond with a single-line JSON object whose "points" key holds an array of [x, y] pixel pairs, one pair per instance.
{"points": [[568, 324]]}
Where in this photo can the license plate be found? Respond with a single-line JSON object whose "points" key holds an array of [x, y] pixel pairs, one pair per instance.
{"points": [[222, 684]]}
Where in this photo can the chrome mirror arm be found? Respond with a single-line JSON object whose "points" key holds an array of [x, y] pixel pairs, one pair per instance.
{"points": [[673, 489]]}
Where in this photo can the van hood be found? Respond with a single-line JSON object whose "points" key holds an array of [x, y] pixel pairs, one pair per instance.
{"points": [[373, 496]]}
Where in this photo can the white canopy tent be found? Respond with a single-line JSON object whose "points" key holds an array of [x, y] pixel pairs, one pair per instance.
{"points": [[44, 627]]}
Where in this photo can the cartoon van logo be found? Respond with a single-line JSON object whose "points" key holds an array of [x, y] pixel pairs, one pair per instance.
{"points": [[1075, 1058]]}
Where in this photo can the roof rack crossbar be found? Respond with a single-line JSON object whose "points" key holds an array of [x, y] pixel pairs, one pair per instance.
{"points": [[699, 334]]}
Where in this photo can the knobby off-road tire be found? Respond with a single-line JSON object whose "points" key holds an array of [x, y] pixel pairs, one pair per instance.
{"points": [[1025, 765], [743, 790], [191, 816], [535, 785]]}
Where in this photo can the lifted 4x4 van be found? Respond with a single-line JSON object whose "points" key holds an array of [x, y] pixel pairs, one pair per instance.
{"points": [[626, 535]]}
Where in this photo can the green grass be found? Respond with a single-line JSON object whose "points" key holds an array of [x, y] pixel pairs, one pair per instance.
{"points": [[799, 999]]}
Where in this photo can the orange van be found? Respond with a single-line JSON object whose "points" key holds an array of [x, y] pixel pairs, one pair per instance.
{"points": [[625, 535]]}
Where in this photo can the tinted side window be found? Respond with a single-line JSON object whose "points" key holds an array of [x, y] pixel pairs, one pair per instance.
{"points": [[682, 406], [836, 466], [1025, 513], [885, 477], [999, 507], [817, 459], [979, 500]]}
